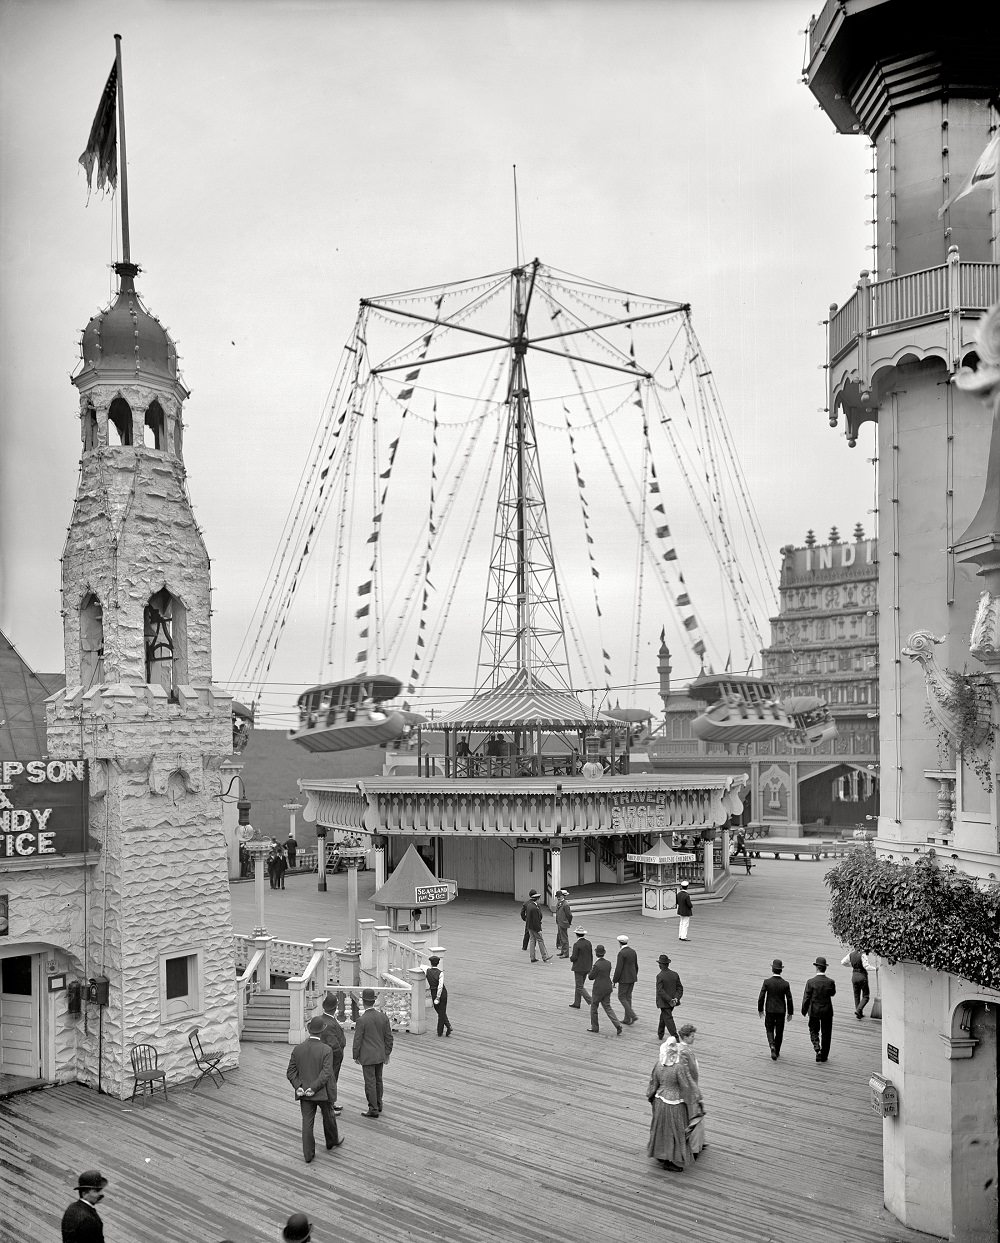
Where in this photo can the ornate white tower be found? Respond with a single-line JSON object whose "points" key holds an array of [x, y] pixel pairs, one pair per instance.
{"points": [[140, 706]]}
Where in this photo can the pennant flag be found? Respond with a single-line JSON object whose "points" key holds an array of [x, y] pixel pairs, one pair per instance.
{"points": [[101, 152], [690, 623], [365, 588], [670, 554], [404, 394], [699, 648], [362, 657], [363, 611], [986, 169], [413, 375], [683, 600], [662, 532], [654, 486]]}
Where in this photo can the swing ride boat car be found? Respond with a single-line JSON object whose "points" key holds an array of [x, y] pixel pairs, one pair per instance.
{"points": [[337, 716]]}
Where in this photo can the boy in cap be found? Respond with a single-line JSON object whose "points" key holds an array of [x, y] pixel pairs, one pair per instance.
{"points": [[581, 960], [81, 1223], [564, 920], [626, 974], [310, 1072], [371, 1048], [439, 994], [774, 999], [684, 911], [817, 1003]]}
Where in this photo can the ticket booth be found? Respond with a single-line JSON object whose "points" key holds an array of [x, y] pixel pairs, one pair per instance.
{"points": [[659, 878]]}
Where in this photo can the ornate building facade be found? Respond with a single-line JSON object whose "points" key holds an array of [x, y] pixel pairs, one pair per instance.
{"points": [[924, 89], [823, 644], [132, 903]]}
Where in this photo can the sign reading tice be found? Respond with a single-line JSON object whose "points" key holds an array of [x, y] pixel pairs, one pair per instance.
{"points": [[43, 808]]}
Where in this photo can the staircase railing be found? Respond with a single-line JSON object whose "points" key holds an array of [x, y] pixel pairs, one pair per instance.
{"points": [[249, 982]]}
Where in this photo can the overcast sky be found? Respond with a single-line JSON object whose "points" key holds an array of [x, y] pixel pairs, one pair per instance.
{"points": [[287, 159]]}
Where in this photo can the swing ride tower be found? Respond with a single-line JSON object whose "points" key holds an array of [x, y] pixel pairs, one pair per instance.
{"points": [[497, 786]]}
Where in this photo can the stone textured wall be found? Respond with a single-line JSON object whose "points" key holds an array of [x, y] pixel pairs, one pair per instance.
{"points": [[133, 533], [161, 886]]}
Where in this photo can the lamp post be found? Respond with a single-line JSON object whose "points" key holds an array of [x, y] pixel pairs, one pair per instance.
{"points": [[291, 808], [258, 851]]}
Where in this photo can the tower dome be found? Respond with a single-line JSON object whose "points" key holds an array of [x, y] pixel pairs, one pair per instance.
{"points": [[127, 337]]}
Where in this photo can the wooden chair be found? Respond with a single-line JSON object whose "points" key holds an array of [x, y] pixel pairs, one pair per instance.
{"points": [[145, 1068], [207, 1063]]}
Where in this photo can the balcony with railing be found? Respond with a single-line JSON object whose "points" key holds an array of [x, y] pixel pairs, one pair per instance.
{"points": [[929, 314]]}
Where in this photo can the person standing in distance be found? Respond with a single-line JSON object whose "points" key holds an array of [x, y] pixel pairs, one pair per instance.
{"points": [[625, 976], [859, 965], [81, 1223], [333, 1036], [533, 924], [581, 960], [310, 1072], [817, 1003], [371, 1049], [684, 911], [439, 994], [669, 991], [600, 973], [774, 999], [564, 921]]}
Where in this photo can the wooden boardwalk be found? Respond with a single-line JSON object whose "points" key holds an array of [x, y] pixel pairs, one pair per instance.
{"points": [[522, 1125]]}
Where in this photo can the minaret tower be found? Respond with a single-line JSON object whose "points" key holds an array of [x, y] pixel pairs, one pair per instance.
{"points": [[923, 85], [140, 706]]}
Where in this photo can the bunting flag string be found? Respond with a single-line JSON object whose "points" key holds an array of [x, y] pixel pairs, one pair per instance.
{"points": [[585, 511]]}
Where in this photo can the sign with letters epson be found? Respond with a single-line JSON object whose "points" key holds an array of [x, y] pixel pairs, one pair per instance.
{"points": [[43, 808]]}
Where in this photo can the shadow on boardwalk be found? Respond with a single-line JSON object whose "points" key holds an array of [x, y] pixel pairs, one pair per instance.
{"points": [[521, 1125]]}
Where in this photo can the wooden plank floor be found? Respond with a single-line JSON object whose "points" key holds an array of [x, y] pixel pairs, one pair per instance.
{"points": [[522, 1125]]}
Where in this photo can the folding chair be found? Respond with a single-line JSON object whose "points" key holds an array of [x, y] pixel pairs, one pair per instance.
{"points": [[145, 1068], [207, 1063]]}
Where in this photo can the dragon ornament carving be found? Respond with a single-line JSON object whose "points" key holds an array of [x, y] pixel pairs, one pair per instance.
{"points": [[947, 692]]}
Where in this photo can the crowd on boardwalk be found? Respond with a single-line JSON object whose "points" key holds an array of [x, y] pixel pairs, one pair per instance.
{"points": [[677, 1131]]}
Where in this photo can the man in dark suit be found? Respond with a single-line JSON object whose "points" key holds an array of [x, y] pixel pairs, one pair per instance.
{"points": [[626, 974], [669, 991], [581, 959], [333, 1036], [439, 995], [310, 1072], [564, 919], [81, 1223], [817, 1003], [371, 1048], [533, 927], [600, 973], [774, 999]]}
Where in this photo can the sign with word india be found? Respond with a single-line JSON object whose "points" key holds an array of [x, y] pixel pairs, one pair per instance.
{"points": [[43, 808]]}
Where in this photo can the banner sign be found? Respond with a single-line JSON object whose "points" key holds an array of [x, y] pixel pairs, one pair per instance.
{"points": [[43, 808], [427, 895]]}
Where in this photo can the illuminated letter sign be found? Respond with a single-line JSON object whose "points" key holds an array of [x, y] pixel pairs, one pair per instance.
{"points": [[43, 808]]}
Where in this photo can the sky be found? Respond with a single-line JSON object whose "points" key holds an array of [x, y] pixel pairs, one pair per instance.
{"points": [[287, 159]]}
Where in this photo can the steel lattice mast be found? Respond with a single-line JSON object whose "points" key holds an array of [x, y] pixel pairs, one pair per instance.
{"points": [[522, 621]]}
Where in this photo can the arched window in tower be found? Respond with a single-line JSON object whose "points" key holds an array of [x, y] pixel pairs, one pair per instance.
{"points": [[89, 419], [155, 427], [165, 635], [91, 642], [120, 418]]}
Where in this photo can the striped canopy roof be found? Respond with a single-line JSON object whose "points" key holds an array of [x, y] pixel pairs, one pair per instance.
{"points": [[521, 703]]}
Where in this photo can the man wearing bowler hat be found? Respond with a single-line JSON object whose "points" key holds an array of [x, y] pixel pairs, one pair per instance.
{"points": [[817, 1003], [564, 920], [533, 926], [298, 1229], [625, 976], [581, 960], [669, 991], [774, 999], [81, 1223], [371, 1048], [310, 1072]]}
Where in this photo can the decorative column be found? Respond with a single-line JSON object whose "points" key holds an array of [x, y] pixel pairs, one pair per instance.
{"points": [[291, 808], [379, 849], [352, 856], [708, 863], [556, 858], [321, 857], [259, 851]]}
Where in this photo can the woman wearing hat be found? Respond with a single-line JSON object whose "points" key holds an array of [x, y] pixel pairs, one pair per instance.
{"points": [[675, 1102]]}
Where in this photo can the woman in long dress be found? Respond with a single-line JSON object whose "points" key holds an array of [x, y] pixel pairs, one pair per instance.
{"points": [[673, 1095], [696, 1126]]}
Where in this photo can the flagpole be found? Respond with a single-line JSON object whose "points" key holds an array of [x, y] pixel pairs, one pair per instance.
{"points": [[126, 250]]}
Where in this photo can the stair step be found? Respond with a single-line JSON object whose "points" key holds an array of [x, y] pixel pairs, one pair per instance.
{"points": [[252, 1037], [271, 1003]]}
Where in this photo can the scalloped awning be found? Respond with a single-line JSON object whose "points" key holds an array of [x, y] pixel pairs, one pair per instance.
{"points": [[521, 703]]}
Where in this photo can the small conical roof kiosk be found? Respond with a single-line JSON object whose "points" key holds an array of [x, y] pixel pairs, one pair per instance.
{"points": [[659, 878]]}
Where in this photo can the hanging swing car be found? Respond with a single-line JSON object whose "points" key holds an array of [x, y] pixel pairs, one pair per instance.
{"points": [[337, 716]]}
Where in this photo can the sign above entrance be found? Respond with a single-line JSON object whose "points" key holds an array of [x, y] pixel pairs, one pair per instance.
{"points": [[43, 808], [682, 857]]}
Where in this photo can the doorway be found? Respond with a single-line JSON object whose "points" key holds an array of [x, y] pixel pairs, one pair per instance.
{"points": [[20, 1016]]}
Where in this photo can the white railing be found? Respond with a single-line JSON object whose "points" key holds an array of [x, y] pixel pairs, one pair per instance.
{"points": [[249, 982], [306, 991]]}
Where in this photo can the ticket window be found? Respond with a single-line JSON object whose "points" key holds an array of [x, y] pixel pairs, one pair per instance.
{"points": [[19, 1017]]}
